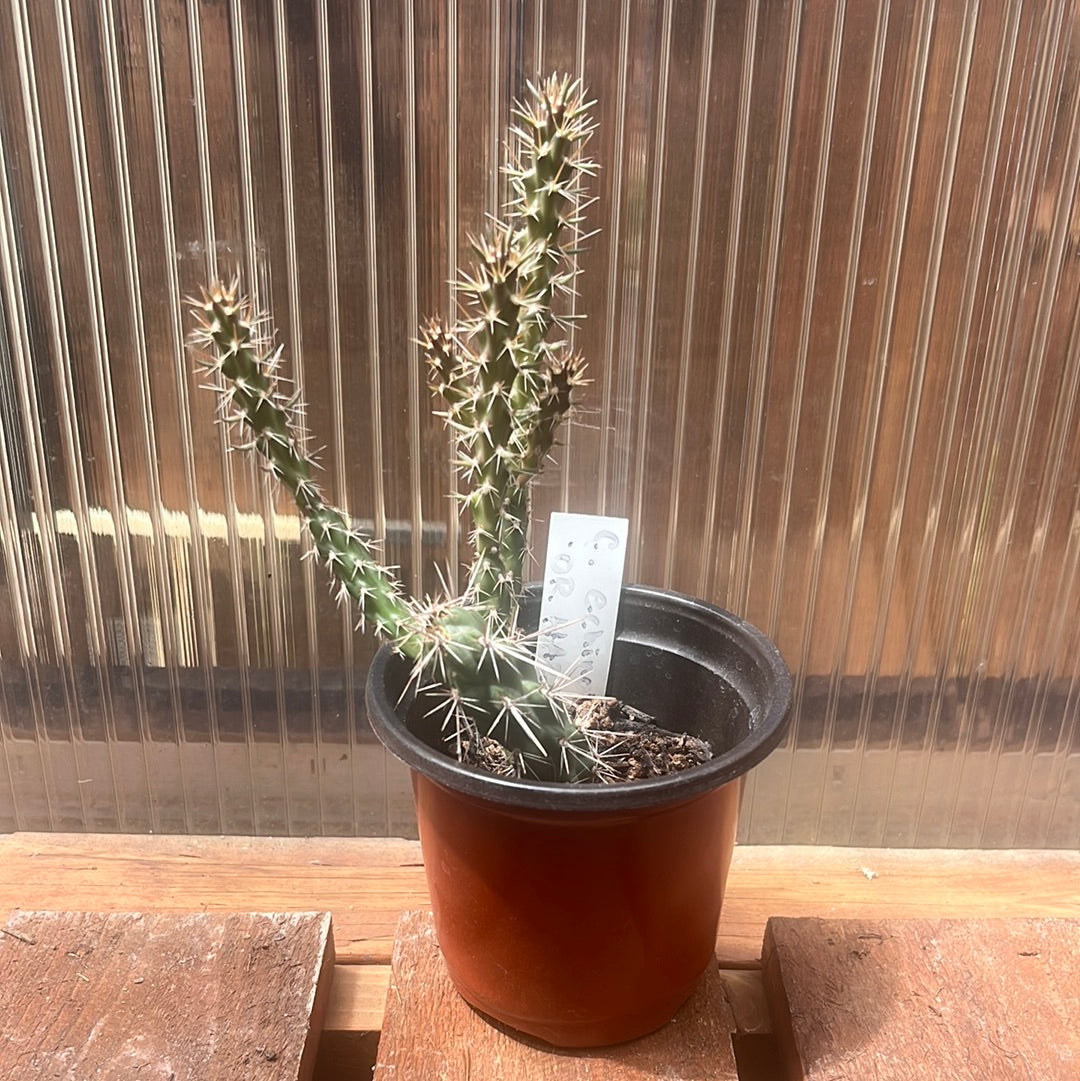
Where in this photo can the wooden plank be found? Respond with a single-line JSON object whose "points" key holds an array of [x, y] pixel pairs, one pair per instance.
{"points": [[885, 884], [192, 997], [368, 883], [921, 1000], [354, 1016], [348, 1056], [429, 1031]]}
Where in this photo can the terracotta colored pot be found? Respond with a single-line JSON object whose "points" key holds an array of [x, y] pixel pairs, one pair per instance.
{"points": [[585, 914]]}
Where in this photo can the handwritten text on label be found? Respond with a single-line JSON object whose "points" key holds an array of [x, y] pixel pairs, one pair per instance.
{"points": [[580, 604]]}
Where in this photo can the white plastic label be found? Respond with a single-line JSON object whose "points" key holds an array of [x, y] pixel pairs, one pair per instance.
{"points": [[582, 583]]}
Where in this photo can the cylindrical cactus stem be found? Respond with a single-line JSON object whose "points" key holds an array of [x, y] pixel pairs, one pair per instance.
{"points": [[251, 396], [483, 677], [477, 413], [552, 132], [505, 397], [449, 367], [533, 442], [485, 421]]}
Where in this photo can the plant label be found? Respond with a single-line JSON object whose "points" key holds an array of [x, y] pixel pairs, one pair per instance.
{"points": [[580, 604]]}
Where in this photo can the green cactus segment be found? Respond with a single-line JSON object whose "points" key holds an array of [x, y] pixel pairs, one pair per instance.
{"points": [[544, 174], [488, 421], [507, 393], [483, 678], [554, 404], [251, 397], [448, 373]]}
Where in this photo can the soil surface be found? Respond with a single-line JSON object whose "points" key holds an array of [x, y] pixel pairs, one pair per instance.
{"points": [[634, 746], [630, 744]]}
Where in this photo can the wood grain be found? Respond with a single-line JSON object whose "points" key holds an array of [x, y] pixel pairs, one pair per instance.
{"points": [[745, 992], [358, 998], [368, 883], [921, 1000], [430, 1032], [192, 997], [899, 883]]}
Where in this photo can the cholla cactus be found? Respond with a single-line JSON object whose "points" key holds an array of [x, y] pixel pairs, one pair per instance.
{"points": [[506, 387]]}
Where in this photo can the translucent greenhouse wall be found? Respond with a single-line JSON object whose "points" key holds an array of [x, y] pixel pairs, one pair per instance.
{"points": [[834, 339]]}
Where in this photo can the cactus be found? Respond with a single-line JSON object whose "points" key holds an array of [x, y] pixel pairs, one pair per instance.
{"points": [[506, 386]]}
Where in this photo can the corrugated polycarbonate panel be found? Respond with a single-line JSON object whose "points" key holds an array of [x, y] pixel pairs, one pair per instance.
{"points": [[834, 341]]}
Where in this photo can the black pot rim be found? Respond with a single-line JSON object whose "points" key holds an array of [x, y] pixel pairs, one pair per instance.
{"points": [[766, 732]]}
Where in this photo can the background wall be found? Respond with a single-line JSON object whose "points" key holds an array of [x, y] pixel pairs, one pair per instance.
{"points": [[833, 334]]}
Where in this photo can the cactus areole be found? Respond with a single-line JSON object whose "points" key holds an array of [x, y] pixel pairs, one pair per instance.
{"points": [[582, 913]]}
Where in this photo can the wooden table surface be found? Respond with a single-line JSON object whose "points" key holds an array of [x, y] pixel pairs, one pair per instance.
{"points": [[198, 996], [925, 999], [368, 883]]}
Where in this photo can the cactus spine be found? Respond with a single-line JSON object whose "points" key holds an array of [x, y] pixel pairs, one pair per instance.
{"points": [[506, 387]]}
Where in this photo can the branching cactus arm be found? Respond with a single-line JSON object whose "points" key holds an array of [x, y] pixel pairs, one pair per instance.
{"points": [[546, 168], [506, 389], [252, 398], [506, 386]]}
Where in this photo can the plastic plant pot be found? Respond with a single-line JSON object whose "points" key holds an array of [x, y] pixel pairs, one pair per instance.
{"points": [[585, 914]]}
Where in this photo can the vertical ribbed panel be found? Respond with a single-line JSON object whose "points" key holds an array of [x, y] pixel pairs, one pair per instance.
{"points": [[833, 329]]}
